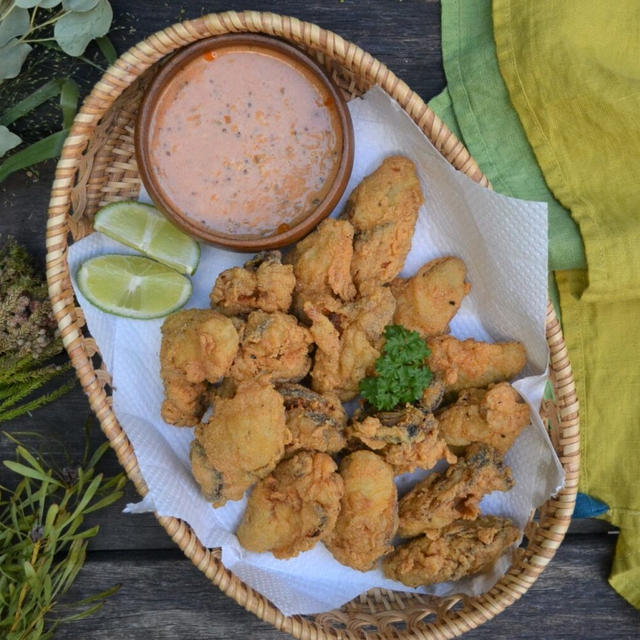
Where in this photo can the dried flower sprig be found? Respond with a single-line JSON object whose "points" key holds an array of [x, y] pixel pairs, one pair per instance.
{"points": [[44, 544], [28, 336]]}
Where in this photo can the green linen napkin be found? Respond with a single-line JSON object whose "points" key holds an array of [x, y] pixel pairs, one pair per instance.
{"points": [[572, 70], [477, 109], [476, 106]]}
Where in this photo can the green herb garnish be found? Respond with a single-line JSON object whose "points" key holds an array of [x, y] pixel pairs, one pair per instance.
{"points": [[402, 374], [44, 538]]}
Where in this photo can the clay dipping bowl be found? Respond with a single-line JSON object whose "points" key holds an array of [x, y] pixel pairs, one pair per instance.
{"points": [[163, 183]]}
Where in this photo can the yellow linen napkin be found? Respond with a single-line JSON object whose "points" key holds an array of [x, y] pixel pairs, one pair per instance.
{"points": [[572, 70]]}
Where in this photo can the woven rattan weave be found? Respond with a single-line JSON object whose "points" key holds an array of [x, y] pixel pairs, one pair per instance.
{"points": [[98, 165]]}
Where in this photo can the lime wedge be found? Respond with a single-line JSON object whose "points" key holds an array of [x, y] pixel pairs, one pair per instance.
{"points": [[142, 227], [133, 286]]}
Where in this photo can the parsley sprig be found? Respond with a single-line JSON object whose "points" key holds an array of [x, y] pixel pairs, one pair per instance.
{"points": [[402, 374]]}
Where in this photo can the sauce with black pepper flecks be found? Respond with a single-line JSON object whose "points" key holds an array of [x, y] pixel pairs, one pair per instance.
{"points": [[244, 142]]}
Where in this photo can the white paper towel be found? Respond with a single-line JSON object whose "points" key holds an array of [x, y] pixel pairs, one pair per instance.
{"points": [[503, 242]]}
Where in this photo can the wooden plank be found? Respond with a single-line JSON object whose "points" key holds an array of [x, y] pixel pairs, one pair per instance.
{"points": [[166, 597], [403, 35]]}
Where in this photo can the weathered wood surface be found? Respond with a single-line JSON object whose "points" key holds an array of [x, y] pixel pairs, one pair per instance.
{"points": [[163, 595]]}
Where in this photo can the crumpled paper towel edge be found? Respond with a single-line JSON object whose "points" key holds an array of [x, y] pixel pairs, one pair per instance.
{"points": [[147, 503]]}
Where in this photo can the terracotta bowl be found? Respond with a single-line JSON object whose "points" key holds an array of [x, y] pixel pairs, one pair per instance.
{"points": [[303, 222]]}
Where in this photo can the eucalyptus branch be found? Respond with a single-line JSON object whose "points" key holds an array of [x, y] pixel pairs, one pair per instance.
{"points": [[69, 29], [36, 27], [33, 17]]}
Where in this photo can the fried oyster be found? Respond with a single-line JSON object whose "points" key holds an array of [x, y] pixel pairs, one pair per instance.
{"points": [[322, 266], [198, 347], [442, 498], [433, 395], [184, 402], [428, 300], [272, 344], [408, 438], [241, 443], [368, 515], [463, 364], [294, 507], [495, 416], [263, 283], [383, 210], [348, 341], [463, 548], [316, 421]]}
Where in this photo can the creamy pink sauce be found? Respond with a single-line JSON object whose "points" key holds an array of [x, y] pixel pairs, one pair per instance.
{"points": [[244, 142]]}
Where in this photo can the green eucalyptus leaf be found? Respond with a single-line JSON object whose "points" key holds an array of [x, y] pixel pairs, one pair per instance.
{"points": [[74, 31], [8, 140], [16, 23], [27, 4], [12, 55], [48, 4], [79, 5]]}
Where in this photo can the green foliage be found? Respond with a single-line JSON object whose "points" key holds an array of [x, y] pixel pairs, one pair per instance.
{"points": [[12, 57], [39, 151], [28, 336], [77, 28], [8, 140], [29, 24], [75, 25], [402, 374], [43, 542]]}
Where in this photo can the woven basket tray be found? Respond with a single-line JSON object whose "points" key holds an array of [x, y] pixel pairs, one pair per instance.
{"points": [[98, 166]]}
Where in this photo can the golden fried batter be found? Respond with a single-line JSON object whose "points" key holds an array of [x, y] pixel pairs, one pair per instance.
{"points": [[428, 300], [495, 416], [273, 344], [322, 265], [383, 210], [442, 498], [463, 548], [369, 512], [316, 421], [349, 341], [293, 508], [408, 439], [467, 363], [198, 346], [242, 442], [185, 402], [263, 283], [226, 389]]}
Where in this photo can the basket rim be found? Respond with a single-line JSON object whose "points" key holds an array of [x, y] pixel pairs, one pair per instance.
{"points": [[555, 514]]}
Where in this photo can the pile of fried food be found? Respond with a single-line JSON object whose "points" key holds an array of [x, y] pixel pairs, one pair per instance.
{"points": [[285, 344]]}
